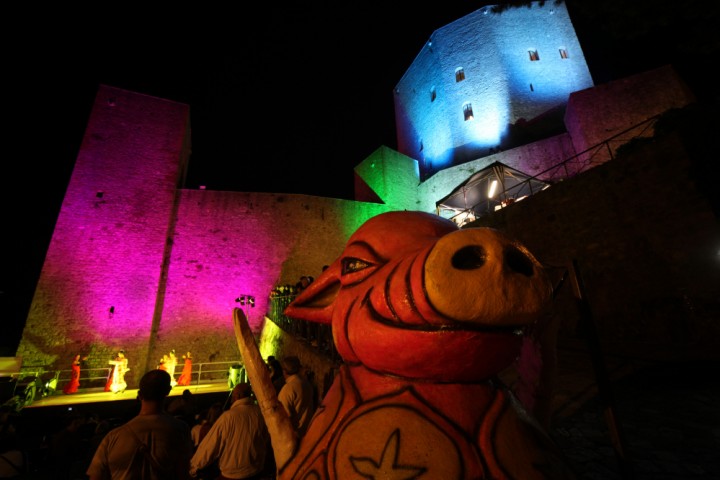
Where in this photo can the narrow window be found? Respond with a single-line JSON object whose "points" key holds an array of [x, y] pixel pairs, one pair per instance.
{"points": [[459, 74], [99, 198], [534, 56], [433, 94], [467, 111], [563, 53]]}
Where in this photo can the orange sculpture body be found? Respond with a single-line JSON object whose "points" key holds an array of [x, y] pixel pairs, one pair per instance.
{"points": [[424, 316]]}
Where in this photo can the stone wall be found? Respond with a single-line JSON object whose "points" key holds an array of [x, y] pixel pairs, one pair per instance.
{"points": [[228, 244], [596, 114]]}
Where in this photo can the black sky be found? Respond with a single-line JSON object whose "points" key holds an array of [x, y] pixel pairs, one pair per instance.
{"points": [[283, 99]]}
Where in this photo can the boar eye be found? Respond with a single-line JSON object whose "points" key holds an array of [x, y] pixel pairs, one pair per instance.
{"points": [[352, 265]]}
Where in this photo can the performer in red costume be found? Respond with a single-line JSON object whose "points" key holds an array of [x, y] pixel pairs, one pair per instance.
{"points": [[74, 383], [186, 375]]}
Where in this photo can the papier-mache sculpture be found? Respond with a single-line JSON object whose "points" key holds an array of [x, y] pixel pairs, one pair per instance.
{"points": [[424, 316]]}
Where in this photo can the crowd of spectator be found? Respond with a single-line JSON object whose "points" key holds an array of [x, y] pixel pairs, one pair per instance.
{"points": [[291, 290], [73, 446]]}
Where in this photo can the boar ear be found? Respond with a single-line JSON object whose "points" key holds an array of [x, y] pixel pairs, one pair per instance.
{"points": [[317, 301]]}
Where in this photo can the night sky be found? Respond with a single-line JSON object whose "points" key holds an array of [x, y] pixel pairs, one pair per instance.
{"points": [[282, 99]]}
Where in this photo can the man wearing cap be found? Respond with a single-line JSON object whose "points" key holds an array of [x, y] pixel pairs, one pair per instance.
{"points": [[297, 395], [153, 444], [238, 440]]}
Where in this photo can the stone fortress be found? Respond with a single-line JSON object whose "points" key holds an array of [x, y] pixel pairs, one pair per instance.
{"points": [[140, 263]]}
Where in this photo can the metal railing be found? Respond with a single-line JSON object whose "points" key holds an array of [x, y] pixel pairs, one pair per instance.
{"points": [[208, 372], [96, 378], [317, 336], [568, 168]]}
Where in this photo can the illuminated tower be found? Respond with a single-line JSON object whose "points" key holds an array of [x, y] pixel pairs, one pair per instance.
{"points": [[100, 288], [480, 81]]}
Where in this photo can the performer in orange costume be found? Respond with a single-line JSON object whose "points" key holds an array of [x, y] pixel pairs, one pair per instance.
{"points": [[186, 375], [74, 383]]}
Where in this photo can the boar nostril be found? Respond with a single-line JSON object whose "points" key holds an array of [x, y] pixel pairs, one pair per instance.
{"points": [[469, 258], [518, 261]]}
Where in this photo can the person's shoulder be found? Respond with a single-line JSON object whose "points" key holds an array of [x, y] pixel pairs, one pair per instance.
{"points": [[176, 421], [113, 434], [169, 423], [223, 420], [149, 421]]}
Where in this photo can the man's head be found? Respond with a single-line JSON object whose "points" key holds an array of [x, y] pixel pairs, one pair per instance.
{"points": [[154, 386], [290, 365], [241, 390]]}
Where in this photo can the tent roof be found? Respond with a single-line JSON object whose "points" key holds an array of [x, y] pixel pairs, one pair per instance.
{"points": [[471, 196]]}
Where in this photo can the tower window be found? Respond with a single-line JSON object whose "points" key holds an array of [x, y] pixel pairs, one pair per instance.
{"points": [[563, 53], [534, 56], [467, 111], [459, 74], [433, 94]]}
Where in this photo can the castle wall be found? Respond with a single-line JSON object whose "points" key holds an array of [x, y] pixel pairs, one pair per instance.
{"points": [[231, 243], [596, 114]]}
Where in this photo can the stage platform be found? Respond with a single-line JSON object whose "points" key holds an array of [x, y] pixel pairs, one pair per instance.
{"points": [[100, 396], [117, 407]]}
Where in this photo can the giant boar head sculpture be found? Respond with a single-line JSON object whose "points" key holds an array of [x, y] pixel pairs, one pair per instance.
{"points": [[424, 316]]}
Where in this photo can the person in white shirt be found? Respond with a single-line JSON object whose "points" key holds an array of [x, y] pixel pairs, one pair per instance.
{"points": [[153, 444], [238, 440], [297, 395]]}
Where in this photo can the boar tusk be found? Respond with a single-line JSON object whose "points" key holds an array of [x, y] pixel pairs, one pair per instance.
{"points": [[282, 434]]}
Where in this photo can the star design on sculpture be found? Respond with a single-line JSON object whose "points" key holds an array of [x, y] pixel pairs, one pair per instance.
{"points": [[387, 467]]}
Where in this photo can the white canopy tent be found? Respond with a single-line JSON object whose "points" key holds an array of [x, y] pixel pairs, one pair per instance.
{"points": [[490, 189]]}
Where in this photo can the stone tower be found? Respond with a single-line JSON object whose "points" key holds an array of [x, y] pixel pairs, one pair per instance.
{"points": [[482, 76], [106, 263]]}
